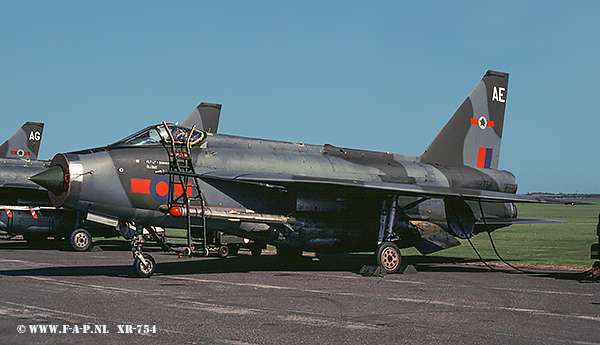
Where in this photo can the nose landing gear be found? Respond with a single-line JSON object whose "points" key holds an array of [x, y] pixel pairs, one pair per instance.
{"points": [[144, 267], [143, 263]]}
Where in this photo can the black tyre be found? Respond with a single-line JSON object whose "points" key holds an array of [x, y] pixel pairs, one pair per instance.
{"points": [[144, 271], [81, 240], [388, 257]]}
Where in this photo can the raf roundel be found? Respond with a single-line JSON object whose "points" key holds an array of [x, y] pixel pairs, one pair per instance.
{"points": [[159, 188]]}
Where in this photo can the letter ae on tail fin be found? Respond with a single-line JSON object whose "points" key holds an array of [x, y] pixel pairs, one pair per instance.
{"points": [[25, 143], [473, 134]]}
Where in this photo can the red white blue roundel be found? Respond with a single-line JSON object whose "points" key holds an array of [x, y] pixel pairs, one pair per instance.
{"points": [[159, 188]]}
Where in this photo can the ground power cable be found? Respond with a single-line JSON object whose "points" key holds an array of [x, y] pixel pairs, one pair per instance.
{"points": [[493, 245], [497, 254], [502, 259], [586, 273], [516, 268], [480, 258]]}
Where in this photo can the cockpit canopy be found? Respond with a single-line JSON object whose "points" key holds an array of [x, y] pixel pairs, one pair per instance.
{"points": [[157, 134]]}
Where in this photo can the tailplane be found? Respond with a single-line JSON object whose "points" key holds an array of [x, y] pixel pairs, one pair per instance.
{"points": [[25, 143], [473, 134]]}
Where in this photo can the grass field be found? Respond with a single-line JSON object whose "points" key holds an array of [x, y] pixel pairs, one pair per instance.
{"points": [[563, 244]]}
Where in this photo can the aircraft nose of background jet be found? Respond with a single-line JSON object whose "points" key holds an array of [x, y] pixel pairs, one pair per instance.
{"points": [[53, 179], [57, 180]]}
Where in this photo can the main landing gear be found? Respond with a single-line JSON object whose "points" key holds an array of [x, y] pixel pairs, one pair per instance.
{"points": [[388, 254], [388, 257]]}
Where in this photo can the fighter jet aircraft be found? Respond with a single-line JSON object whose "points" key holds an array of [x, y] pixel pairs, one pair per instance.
{"points": [[301, 197], [20, 198], [25, 208]]}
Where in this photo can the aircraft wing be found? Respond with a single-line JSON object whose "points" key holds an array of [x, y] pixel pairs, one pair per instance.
{"points": [[285, 181]]}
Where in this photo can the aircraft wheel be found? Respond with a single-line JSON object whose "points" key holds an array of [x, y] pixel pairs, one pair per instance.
{"points": [[388, 257], [223, 251], [144, 271], [81, 240]]}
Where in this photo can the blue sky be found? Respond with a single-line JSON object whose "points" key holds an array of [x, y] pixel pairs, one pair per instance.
{"points": [[376, 75]]}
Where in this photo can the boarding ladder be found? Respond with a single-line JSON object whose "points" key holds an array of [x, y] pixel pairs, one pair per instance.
{"points": [[184, 187]]}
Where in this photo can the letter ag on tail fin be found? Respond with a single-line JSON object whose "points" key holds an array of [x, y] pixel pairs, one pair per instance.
{"points": [[25, 143], [473, 135]]}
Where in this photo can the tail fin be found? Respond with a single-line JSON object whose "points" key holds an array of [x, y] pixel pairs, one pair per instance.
{"points": [[205, 116], [473, 134], [25, 143]]}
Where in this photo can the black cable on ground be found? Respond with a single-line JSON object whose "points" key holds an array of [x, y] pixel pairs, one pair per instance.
{"points": [[499, 257], [480, 258], [587, 275]]}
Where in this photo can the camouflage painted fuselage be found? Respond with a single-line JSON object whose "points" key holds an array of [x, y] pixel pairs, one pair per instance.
{"points": [[328, 217]]}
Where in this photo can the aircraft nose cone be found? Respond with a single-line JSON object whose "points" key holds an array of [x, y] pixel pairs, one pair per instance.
{"points": [[53, 179]]}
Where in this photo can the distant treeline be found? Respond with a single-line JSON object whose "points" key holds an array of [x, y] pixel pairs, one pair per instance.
{"points": [[567, 195]]}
